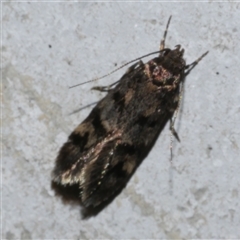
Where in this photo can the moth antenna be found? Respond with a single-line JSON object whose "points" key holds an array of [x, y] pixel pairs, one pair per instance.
{"points": [[190, 66], [162, 43], [139, 58]]}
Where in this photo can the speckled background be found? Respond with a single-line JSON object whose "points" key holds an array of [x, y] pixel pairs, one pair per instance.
{"points": [[47, 47]]}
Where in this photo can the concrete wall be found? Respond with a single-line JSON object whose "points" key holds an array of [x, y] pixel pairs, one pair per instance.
{"points": [[50, 46]]}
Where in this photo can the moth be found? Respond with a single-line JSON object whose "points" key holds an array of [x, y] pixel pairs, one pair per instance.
{"points": [[103, 152]]}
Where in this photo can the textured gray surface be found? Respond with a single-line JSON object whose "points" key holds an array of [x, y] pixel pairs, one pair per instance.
{"points": [[199, 196]]}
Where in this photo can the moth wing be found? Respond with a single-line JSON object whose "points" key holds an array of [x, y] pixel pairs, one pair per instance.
{"points": [[108, 173], [72, 156]]}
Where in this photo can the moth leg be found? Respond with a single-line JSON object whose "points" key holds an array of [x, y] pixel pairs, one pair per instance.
{"points": [[173, 118], [104, 88], [172, 122], [162, 43], [173, 133], [193, 64], [108, 88], [131, 68], [101, 88]]}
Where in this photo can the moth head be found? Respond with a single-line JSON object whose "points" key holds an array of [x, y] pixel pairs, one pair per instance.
{"points": [[168, 68], [173, 60]]}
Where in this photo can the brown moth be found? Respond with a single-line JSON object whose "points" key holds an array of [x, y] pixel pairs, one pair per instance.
{"points": [[102, 153]]}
